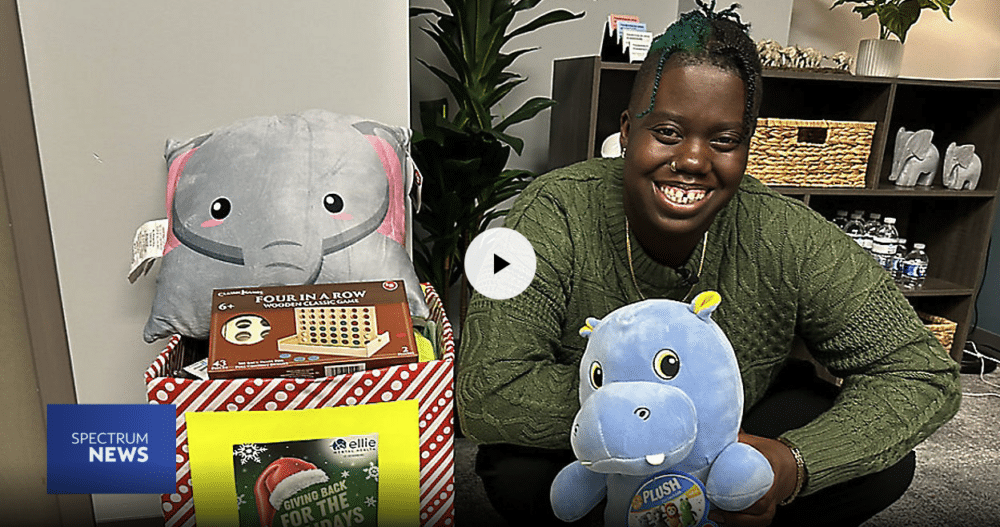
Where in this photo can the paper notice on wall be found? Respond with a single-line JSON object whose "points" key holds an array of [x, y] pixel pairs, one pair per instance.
{"points": [[614, 19], [147, 247], [626, 25], [636, 44]]}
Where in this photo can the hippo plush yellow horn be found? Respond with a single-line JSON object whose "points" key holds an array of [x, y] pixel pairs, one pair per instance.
{"points": [[705, 303], [592, 323]]}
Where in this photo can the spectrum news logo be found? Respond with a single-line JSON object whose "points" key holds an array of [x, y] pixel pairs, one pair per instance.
{"points": [[111, 449]]}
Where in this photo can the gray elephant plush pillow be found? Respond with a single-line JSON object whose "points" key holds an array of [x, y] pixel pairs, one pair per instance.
{"points": [[314, 197]]}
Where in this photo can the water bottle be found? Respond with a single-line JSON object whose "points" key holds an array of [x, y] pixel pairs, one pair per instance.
{"points": [[897, 259], [855, 227], [914, 267], [871, 226], [841, 219], [884, 243]]}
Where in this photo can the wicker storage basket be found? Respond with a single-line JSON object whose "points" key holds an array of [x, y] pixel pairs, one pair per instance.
{"points": [[941, 327], [810, 153]]}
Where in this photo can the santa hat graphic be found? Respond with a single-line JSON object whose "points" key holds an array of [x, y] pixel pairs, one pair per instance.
{"points": [[280, 481]]}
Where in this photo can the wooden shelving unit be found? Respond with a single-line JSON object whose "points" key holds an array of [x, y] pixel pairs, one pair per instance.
{"points": [[955, 225]]}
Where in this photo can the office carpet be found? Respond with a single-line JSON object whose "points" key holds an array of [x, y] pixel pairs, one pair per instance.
{"points": [[957, 481]]}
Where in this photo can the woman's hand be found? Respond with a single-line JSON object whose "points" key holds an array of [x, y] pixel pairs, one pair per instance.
{"points": [[785, 470]]}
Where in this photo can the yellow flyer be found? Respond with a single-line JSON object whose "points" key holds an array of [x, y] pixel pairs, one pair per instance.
{"points": [[328, 467]]}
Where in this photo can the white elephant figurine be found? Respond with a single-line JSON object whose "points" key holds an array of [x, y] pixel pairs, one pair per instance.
{"points": [[961, 167], [916, 158], [770, 53], [843, 60]]}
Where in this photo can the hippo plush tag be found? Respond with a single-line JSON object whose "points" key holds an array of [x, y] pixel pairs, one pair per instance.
{"points": [[661, 400], [671, 499], [308, 198]]}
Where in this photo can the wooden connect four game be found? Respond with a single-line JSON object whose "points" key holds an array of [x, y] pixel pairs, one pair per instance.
{"points": [[351, 331], [308, 331]]}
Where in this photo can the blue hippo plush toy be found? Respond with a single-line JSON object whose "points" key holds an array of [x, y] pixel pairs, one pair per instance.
{"points": [[661, 401]]}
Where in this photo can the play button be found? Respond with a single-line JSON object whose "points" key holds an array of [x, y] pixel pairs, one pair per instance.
{"points": [[500, 263]]}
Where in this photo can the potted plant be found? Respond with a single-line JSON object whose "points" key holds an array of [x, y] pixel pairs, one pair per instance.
{"points": [[462, 154], [883, 56]]}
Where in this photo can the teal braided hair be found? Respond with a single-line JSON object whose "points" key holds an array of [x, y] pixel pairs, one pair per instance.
{"points": [[704, 36]]}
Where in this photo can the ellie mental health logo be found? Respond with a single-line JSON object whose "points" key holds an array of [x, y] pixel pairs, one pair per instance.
{"points": [[111, 449]]}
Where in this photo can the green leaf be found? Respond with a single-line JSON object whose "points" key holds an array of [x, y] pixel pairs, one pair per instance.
{"points": [[896, 17], [491, 42], [551, 17], [502, 91], [527, 111], [943, 5], [455, 86], [515, 142], [524, 5], [502, 62], [419, 11]]}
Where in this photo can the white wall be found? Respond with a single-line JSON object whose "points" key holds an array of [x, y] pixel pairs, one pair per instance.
{"points": [[111, 81]]}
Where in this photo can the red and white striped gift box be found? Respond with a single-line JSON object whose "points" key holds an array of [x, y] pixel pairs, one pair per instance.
{"points": [[431, 383]]}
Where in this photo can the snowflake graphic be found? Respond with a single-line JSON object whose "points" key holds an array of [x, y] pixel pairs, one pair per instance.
{"points": [[249, 452], [370, 501], [241, 500], [345, 474], [372, 471]]}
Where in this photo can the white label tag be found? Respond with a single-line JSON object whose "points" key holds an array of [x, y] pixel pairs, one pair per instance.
{"points": [[198, 369], [147, 247]]}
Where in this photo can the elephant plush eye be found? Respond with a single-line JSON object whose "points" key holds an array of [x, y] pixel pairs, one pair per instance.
{"points": [[333, 203], [596, 375], [666, 364], [221, 208]]}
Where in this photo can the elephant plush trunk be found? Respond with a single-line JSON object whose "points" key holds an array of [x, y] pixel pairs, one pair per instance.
{"points": [[286, 258]]}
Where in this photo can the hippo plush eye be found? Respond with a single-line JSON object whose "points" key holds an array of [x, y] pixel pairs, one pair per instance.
{"points": [[666, 364], [221, 208], [333, 203], [596, 375]]}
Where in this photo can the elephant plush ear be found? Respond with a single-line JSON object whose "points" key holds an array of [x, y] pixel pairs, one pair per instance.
{"points": [[587, 329], [392, 145], [174, 148], [705, 303]]}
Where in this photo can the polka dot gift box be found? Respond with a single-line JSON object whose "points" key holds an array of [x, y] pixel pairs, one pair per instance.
{"points": [[430, 383]]}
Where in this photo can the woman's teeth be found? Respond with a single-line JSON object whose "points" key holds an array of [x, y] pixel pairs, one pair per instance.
{"points": [[682, 196]]}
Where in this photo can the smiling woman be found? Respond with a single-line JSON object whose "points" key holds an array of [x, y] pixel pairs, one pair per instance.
{"points": [[677, 216], [685, 159]]}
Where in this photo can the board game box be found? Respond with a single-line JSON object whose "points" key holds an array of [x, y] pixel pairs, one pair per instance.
{"points": [[309, 330]]}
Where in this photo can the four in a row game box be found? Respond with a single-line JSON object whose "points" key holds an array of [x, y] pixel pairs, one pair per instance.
{"points": [[319, 330]]}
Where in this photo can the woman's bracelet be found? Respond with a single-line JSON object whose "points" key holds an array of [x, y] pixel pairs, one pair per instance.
{"points": [[800, 471]]}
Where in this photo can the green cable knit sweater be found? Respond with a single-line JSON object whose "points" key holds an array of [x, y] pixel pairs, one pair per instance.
{"points": [[782, 270]]}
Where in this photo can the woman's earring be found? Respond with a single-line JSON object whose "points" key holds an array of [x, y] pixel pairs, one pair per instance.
{"points": [[623, 151]]}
